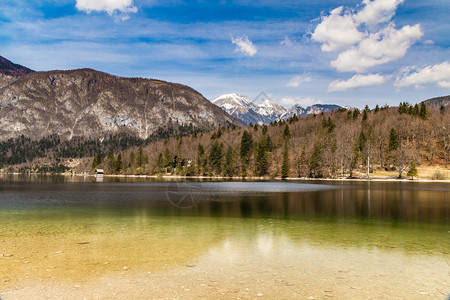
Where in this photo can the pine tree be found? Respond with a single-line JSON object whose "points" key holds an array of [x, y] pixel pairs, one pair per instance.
{"points": [[286, 132], [377, 109], [229, 167], [364, 118], [416, 110], [442, 109], [264, 129], [111, 162], [215, 156], [315, 160], [131, 159], [261, 161], [423, 111], [393, 140], [412, 171], [160, 163], [246, 146], [285, 165], [302, 163], [118, 164], [141, 159]]}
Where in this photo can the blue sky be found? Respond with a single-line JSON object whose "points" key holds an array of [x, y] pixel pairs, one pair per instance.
{"points": [[298, 52]]}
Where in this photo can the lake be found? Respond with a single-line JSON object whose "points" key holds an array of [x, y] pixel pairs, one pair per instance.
{"points": [[137, 238]]}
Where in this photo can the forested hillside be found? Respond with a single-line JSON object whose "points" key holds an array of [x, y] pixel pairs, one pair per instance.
{"points": [[344, 143], [327, 145]]}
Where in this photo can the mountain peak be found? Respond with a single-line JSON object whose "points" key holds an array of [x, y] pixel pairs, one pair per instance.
{"points": [[240, 107], [9, 68]]}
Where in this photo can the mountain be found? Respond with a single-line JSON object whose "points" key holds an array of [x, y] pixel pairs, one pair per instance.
{"points": [[93, 104], [271, 110], [243, 109], [436, 103], [10, 71]]}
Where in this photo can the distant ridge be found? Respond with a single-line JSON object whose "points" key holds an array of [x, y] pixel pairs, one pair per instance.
{"points": [[11, 69], [436, 103], [267, 111]]}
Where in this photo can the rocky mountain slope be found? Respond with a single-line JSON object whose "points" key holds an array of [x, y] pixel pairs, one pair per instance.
{"points": [[436, 103], [89, 103], [10, 71], [242, 108]]}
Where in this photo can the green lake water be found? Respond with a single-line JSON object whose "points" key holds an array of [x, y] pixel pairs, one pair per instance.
{"points": [[161, 224]]}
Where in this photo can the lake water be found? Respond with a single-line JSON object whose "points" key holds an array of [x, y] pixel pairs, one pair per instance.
{"points": [[74, 237]]}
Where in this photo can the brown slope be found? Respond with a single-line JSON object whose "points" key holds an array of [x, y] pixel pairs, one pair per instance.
{"points": [[11, 69], [89, 103], [436, 103]]}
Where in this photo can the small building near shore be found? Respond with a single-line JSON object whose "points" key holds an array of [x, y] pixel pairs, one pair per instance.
{"points": [[99, 172]]}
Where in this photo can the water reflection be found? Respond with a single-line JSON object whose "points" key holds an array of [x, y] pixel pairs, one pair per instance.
{"points": [[386, 201]]}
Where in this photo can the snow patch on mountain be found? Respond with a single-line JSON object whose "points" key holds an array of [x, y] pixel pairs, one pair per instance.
{"points": [[243, 109]]}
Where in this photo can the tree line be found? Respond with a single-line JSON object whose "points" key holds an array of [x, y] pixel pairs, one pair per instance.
{"points": [[332, 145], [343, 143]]}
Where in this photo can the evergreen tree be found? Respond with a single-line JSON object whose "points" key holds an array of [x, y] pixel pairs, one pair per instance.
{"points": [[423, 111], [393, 140], [416, 110], [215, 156], [442, 109], [131, 159], [111, 162], [229, 167], [141, 159], [403, 107], [286, 132], [302, 163], [160, 163], [200, 155], [285, 165], [356, 113], [261, 160], [377, 109], [118, 164], [315, 161], [412, 171], [264, 129], [98, 159], [364, 118], [246, 146]]}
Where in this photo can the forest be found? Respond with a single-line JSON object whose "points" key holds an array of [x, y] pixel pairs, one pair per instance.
{"points": [[341, 144], [334, 145]]}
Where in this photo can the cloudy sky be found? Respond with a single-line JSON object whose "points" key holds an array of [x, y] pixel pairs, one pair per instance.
{"points": [[344, 52]]}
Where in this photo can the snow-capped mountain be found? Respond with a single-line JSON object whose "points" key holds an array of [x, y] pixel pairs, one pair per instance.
{"points": [[271, 110], [243, 109]]}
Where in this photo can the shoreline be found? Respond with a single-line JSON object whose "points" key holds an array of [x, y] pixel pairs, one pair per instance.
{"points": [[240, 178]]}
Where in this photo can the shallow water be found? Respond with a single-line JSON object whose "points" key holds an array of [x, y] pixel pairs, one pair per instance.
{"points": [[78, 230]]}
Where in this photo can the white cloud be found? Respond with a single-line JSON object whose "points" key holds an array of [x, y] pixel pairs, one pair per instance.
{"points": [[109, 6], [337, 31], [287, 42], [244, 45], [428, 42], [378, 48], [377, 11], [362, 36], [290, 101], [357, 81], [297, 80], [438, 74]]}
